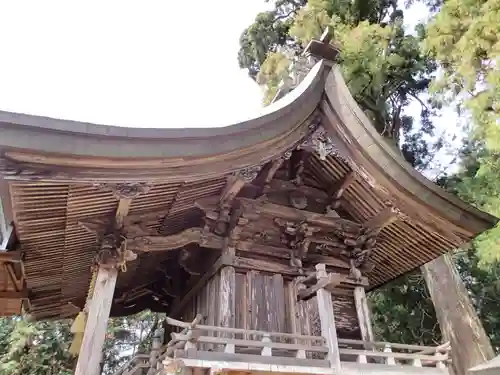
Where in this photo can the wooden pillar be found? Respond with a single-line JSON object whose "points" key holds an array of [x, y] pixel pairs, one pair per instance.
{"points": [[364, 315], [226, 293], [97, 323], [327, 319], [459, 322]]}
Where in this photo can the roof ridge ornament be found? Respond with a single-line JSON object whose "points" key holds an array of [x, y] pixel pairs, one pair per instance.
{"points": [[301, 65], [322, 48]]}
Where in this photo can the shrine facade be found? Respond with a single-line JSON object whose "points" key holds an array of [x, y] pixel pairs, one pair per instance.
{"points": [[259, 240]]}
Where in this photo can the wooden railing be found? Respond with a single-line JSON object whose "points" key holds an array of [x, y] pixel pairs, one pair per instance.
{"points": [[260, 344], [393, 354], [250, 341], [196, 340]]}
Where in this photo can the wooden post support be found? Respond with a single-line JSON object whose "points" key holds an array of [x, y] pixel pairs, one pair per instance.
{"points": [[364, 316], [327, 320], [227, 297], [97, 323]]}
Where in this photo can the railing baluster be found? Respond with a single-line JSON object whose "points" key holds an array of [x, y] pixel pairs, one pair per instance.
{"points": [[417, 362], [301, 354], [268, 350], [190, 346], [362, 359], [229, 348], [389, 359], [439, 364]]}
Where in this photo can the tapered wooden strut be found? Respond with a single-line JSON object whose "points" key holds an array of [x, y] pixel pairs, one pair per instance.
{"points": [[100, 307], [97, 323]]}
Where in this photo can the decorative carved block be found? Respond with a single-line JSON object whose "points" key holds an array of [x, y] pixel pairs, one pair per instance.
{"points": [[249, 173], [126, 190]]}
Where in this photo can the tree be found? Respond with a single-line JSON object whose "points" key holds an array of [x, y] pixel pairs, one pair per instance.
{"points": [[41, 348], [382, 64], [385, 68], [463, 37]]}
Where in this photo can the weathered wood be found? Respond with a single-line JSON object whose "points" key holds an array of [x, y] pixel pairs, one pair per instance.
{"points": [[97, 322], [459, 323], [226, 297], [364, 316], [233, 186], [391, 356], [382, 219], [265, 342], [12, 294], [10, 256], [176, 241], [203, 327], [196, 285], [330, 280], [340, 187], [264, 266], [249, 362], [328, 330]]}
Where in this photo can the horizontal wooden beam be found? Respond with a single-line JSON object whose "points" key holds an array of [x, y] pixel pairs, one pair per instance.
{"points": [[264, 266], [12, 294], [10, 256]]}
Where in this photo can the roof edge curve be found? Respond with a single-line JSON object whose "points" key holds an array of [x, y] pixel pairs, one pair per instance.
{"points": [[19, 131], [365, 145]]}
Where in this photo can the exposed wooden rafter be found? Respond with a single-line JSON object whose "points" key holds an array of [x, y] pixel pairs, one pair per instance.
{"points": [[339, 188]]}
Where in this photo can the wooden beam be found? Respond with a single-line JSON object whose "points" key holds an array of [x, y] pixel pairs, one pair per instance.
{"points": [[265, 266], [90, 355], [13, 294], [382, 219], [10, 256], [176, 241], [233, 186], [327, 320], [227, 300], [340, 187], [331, 281], [97, 322]]}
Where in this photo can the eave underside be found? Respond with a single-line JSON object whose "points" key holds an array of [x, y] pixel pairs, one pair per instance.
{"points": [[58, 252]]}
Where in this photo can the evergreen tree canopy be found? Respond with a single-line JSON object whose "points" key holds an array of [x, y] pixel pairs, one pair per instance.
{"points": [[382, 64], [464, 38]]}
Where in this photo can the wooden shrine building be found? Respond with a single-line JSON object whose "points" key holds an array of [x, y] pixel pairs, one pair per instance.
{"points": [[258, 239]]}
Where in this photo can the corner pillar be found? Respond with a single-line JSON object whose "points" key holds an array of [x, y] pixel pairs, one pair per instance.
{"points": [[364, 314], [327, 319], [227, 288]]}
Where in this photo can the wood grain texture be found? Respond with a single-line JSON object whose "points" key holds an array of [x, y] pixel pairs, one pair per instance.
{"points": [[97, 322]]}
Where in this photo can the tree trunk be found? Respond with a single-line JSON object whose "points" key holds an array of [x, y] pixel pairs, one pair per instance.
{"points": [[456, 315]]}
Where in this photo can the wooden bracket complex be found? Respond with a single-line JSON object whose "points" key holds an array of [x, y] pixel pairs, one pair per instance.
{"points": [[328, 281]]}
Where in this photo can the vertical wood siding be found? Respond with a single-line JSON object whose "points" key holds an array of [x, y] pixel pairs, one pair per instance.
{"points": [[268, 302]]}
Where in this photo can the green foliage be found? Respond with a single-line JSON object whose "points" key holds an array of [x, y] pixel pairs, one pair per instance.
{"points": [[35, 348], [41, 348], [385, 68], [382, 64], [403, 312], [464, 38]]}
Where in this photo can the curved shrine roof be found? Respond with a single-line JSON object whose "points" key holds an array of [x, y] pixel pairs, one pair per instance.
{"points": [[59, 174]]}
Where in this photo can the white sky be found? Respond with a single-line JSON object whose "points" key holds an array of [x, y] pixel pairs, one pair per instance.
{"points": [[150, 63]]}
